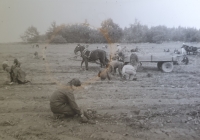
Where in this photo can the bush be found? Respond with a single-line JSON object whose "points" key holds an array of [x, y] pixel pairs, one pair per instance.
{"points": [[58, 39]]}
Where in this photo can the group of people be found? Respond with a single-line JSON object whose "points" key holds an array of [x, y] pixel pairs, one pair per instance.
{"points": [[127, 71], [43, 53], [15, 73], [62, 101]]}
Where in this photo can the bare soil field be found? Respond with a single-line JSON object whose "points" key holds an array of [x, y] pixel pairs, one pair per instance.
{"points": [[160, 106]]}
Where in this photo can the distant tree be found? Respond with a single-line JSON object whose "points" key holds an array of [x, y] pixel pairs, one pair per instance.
{"points": [[96, 36], [190, 35], [196, 37], [31, 35], [54, 33], [58, 39], [42, 38], [158, 34], [77, 33], [136, 33], [51, 30], [111, 31]]}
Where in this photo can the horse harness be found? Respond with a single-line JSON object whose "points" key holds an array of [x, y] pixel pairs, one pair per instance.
{"points": [[84, 53]]}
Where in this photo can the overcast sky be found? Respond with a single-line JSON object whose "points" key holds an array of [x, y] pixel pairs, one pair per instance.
{"points": [[17, 15]]}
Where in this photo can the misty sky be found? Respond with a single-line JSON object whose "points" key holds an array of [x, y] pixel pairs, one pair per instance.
{"points": [[17, 15]]}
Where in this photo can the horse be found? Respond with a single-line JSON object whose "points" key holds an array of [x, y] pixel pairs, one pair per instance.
{"points": [[89, 56], [189, 49]]}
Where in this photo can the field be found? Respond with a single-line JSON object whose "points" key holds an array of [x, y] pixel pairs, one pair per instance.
{"points": [[155, 107]]}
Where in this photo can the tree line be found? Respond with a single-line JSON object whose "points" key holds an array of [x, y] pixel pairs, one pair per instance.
{"points": [[110, 32]]}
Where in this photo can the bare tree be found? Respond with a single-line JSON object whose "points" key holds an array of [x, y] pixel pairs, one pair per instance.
{"points": [[31, 35]]}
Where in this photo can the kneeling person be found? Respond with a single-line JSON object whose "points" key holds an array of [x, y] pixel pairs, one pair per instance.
{"points": [[129, 72], [8, 70], [103, 74], [62, 101], [16, 74]]}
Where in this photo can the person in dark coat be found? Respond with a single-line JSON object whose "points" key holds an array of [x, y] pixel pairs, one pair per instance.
{"points": [[62, 101], [16, 63], [15, 72], [104, 73]]}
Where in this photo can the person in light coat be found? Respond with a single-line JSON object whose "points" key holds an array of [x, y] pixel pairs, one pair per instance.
{"points": [[129, 72], [183, 51]]}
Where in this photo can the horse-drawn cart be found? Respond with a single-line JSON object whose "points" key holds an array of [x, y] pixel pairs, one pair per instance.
{"points": [[165, 62]]}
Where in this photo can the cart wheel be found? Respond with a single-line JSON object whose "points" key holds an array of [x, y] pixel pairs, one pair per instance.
{"points": [[159, 65], [167, 66]]}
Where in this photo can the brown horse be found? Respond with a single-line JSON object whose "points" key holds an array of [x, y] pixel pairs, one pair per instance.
{"points": [[189, 49], [91, 56]]}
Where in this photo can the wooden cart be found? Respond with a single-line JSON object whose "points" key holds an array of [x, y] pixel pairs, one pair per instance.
{"points": [[165, 62]]}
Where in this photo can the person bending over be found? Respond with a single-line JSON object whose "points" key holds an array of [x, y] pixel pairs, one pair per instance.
{"points": [[113, 65], [129, 72], [104, 73], [16, 74], [62, 101]]}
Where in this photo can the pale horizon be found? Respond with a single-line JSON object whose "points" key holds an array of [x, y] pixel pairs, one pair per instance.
{"points": [[17, 16]]}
